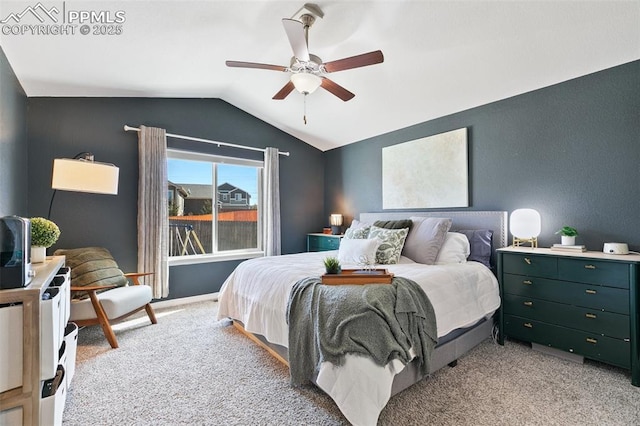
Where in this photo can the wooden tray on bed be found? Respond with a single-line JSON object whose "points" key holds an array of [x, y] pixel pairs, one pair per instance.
{"points": [[358, 276]]}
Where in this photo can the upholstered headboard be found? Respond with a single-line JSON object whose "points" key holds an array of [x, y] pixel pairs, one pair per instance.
{"points": [[493, 220]]}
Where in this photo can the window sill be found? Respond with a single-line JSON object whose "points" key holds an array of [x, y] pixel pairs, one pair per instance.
{"points": [[210, 258]]}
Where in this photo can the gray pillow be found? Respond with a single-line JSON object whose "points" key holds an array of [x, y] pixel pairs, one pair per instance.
{"points": [[425, 239], [91, 266], [480, 245]]}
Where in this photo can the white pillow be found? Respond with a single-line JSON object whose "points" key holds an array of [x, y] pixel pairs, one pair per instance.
{"points": [[454, 250], [355, 224], [355, 251]]}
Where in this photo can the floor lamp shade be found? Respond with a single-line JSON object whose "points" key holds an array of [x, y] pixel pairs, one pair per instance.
{"points": [[84, 176]]}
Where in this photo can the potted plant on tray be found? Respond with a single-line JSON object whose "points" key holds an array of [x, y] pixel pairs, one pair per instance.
{"points": [[568, 235], [332, 265], [44, 234]]}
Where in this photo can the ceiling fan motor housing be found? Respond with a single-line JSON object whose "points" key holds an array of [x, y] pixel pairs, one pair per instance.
{"points": [[313, 66]]}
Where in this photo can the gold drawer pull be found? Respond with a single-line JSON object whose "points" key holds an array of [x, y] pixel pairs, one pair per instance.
{"points": [[528, 303], [592, 316], [589, 291], [527, 261], [528, 325], [527, 282], [590, 340], [589, 267]]}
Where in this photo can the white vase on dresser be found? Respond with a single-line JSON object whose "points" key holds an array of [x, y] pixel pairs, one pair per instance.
{"points": [[38, 254]]}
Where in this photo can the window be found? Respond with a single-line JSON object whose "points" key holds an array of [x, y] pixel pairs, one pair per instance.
{"points": [[201, 229]]}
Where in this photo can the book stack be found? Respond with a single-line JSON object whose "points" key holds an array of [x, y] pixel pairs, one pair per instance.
{"points": [[575, 248]]}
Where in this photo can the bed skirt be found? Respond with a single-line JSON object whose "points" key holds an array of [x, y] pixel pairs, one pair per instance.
{"points": [[449, 349]]}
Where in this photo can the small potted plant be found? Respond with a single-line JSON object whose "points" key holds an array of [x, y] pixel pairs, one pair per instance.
{"points": [[44, 234], [332, 265], [568, 235]]}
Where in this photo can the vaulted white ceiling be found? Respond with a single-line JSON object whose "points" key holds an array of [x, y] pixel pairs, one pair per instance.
{"points": [[440, 57]]}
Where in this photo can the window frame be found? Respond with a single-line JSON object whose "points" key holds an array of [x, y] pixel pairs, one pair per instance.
{"points": [[227, 255]]}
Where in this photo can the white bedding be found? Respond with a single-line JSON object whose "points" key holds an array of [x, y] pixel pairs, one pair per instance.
{"points": [[256, 294]]}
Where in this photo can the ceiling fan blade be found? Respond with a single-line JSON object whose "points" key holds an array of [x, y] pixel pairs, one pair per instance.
{"points": [[297, 38], [239, 64], [336, 89], [355, 61], [284, 92]]}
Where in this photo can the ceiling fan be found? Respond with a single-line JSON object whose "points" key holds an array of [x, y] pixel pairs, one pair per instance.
{"points": [[307, 70]]}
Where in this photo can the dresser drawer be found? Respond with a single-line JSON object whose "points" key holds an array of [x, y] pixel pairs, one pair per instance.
{"points": [[612, 274], [606, 299], [589, 320], [606, 349], [322, 243], [535, 266]]}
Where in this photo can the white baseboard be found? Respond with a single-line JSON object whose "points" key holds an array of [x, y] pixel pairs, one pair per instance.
{"points": [[185, 300]]}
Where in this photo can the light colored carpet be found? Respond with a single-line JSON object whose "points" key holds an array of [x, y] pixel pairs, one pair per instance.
{"points": [[192, 369]]}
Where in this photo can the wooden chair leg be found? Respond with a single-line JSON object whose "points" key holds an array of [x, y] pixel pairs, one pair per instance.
{"points": [[151, 313], [104, 321]]}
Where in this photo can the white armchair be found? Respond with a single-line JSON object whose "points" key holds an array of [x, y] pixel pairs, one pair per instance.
{"points": [[101, 293]]}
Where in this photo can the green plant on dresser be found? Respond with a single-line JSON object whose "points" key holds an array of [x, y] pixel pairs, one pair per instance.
{"points": [[582, 303], [323, 242]]}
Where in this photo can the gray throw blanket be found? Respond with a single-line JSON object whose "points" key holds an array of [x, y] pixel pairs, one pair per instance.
{"points": [[379, 321]]}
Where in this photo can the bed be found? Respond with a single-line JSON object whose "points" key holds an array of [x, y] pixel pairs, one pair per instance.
{"points": [[464, 295]]}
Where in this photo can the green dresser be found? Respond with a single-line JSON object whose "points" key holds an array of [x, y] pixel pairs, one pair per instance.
{"points": [[582, 303], [323, 242]]}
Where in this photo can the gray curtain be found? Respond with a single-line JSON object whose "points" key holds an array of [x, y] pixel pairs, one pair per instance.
{"points": [[153, 219], [271, 191]]}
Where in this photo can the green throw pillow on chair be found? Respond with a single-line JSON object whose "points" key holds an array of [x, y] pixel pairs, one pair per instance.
{"points": [[92, 266]]}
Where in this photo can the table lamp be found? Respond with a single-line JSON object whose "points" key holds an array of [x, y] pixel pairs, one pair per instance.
{"points": [[525, 227], [336, 223]]}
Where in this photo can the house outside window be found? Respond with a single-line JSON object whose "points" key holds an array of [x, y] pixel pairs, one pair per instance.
{"points": [[214, 209]]}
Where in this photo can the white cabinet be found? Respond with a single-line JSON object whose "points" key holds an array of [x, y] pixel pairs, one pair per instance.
{"points": [[11, 347], [37, 347]]}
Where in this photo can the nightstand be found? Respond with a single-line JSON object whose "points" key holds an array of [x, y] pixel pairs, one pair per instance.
{"points": [[323, 242], [582, 303]]}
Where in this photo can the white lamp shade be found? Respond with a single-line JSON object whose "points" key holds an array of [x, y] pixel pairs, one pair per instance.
{"points": [[84, 176], [525, 223], [305, 82], [336, 220]]}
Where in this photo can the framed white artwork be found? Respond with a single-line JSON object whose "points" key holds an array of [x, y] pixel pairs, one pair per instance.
{"points": [[430, 172]]}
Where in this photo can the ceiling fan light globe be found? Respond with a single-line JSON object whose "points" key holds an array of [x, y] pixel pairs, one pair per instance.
{"points": [[306, 83]]}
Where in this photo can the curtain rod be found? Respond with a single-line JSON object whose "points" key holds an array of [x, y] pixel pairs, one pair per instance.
{"points": [[189, 138]]}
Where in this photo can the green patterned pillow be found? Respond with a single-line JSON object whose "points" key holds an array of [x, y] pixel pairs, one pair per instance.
{"points": [[391, 243], [357, 231], [91, 266]]}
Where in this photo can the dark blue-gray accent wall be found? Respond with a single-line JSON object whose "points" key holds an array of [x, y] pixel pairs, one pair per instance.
{"points": [[13, 142], [64, 127], [571, 151]]}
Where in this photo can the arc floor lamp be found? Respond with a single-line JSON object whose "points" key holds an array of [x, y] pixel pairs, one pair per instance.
{"points": [[83, 174]]}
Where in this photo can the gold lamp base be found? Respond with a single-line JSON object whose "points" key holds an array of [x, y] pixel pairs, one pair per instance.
{"points": [[517, 242]]}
